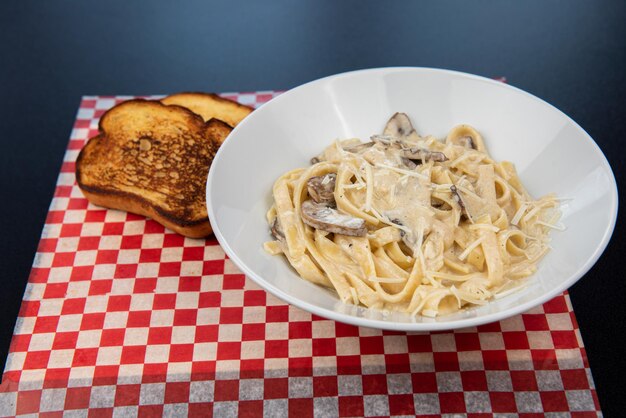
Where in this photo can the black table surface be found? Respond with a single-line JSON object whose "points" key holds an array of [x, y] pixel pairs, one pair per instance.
{"points": [[570, 53]]}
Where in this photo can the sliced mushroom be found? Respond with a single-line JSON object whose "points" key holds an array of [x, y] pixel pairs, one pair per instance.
{"points": [[436, 156], [410, 164], [320, 216], [424, 155], [277, 230], [399, 126], [467, 137], [409, 150], [322, 188]]}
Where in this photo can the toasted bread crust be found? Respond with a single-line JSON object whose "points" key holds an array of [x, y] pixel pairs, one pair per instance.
{"points": [[134, 204], [152, 159], [218, 130], [210, 105], [193, 118]]}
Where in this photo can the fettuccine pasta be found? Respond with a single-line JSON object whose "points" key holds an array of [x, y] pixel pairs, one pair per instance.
{"points": [[411, 223]]}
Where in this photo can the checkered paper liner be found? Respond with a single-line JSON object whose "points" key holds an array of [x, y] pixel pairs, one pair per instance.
{"points": [[123, 317]]}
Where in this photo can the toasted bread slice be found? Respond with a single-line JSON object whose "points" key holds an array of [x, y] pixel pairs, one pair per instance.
{"points": [[218, 130], [153, 160], [209, 105]]}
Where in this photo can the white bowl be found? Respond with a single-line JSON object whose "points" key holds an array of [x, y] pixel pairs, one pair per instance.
{"points": [[551, 152]]}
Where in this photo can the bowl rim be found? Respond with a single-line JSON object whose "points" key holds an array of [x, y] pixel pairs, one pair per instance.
{"points": [[413, 326]]}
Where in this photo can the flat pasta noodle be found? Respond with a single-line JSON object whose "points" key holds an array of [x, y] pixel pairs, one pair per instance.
{"points": [[413, 224]]}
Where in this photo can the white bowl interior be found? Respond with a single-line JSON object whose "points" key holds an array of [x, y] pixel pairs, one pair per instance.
{"points": [[551, 152]]}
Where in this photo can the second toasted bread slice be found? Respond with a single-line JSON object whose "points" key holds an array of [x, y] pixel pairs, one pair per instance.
{"points": [[210, 106], [152, 159]]}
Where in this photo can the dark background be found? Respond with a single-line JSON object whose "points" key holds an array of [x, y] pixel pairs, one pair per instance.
{"points": [[569, 53]]}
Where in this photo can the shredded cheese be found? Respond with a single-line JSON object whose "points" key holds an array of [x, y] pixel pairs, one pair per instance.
{"points": [[420, 241], [386, 279], [385, 220], [519, 213], [500, 294], [432, 280], [453, 277], [357, 174], [533, 212], [342, 152], [354, 186], [429, 141], [470, 248], [558, 227], [466, 296], [392, 195], [467, 191], [454, 292], [462, 158], [402, 171]]}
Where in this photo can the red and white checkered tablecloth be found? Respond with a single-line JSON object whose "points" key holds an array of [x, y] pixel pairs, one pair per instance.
{"points": [[122, 317]]}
